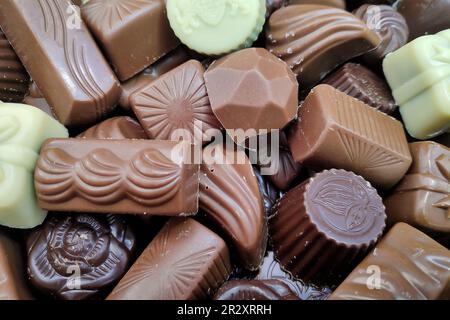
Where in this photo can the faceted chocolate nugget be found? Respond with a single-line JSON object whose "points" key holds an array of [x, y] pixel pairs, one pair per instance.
{"points": [[313, 40], [115, 128], [14, 79], [185, 261], [422, 199], [176, 106], [12, 272], [338, 131], [117, 176], [61, 56], [405, 265], [95, 248], [255, 290], [321, 228], [231, 200], [133, 34]]}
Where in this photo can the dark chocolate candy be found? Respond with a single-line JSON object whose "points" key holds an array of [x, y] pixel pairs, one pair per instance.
{"points": [[176, 106], [255, 290], [77, 256], [405, 265], [61, 56], [269, 193], [141, 80], [363, 84], [425, 16], [133, 34], [323, 227], [117, 176], [185, 261], [115, 128], [313, 40], [273, 5], [390, 25], [231, 200], [353, 4], [422, 198], [14, 78]]}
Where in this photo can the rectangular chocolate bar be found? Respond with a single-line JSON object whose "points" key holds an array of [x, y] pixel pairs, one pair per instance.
{"points": [[61, 56], [117, 176], [185, 261], [405, 265], [338, 131]]}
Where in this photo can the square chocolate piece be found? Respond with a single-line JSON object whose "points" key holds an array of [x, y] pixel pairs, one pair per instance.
{"points": [[132, 33]]}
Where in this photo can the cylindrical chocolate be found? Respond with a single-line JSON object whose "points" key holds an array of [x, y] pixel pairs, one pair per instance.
{"points": [[323, 227]]}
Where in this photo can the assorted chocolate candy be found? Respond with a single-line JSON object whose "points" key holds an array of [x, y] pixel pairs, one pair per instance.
{"points": [[224, 149]]}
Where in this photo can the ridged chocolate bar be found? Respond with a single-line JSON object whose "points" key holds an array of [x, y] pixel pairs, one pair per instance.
{"points": [[185, 261], [338, 131], [405, 265], [313, 40], [62, 58], [323, 227], [117, 176], [14, 78]]}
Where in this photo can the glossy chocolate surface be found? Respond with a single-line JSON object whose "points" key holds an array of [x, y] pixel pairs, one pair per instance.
{"points": [[255, 290], [115, 128]]}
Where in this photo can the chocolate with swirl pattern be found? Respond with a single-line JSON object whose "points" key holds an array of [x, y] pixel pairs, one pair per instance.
{"points": [[313, 40], [97, 248], [255, 290], [117, 176]]}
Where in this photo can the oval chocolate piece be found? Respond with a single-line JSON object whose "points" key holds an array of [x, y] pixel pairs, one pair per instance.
{"points": [[255, 290]]}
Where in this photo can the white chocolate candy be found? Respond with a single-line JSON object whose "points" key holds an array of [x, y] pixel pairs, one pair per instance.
{"points": [[23, 129]]}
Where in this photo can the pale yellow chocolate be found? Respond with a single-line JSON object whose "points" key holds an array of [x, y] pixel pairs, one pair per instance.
{"points": [[419, 75], [23, 129]]}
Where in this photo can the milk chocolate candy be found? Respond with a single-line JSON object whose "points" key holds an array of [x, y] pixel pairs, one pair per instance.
{"points": [[389, 25], [141, 27], [185, 261], [12, 272], [14, 78], [62, 58], [323, 227], [252, 90], [363, 84], [338, 131], [255, 290], [313, 40], [418, 74], [141, 80], [95, 248], [405, 265], [231, 200], [23, 129], [117, 176], [425, 16], [422, 199], [115, 128], [176, 106], [272, 270], [331, 3]]}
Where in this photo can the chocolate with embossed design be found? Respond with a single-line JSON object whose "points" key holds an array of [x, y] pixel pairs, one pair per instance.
{"points": [[313, 40], [409, 266], [363, 84], [176, 106], [141, 80], [321, 228], [14, 79], [338, 131], [255, 290], [185, 261], [422, 198], [63, 59], [139, 26], [115, 128], [117, 176], [12, 280], [96, 248], [388, 24], [231, 200]]}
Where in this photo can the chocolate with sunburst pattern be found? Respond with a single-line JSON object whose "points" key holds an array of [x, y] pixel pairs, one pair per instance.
{"points": [[176, 105], [78, 256]]}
